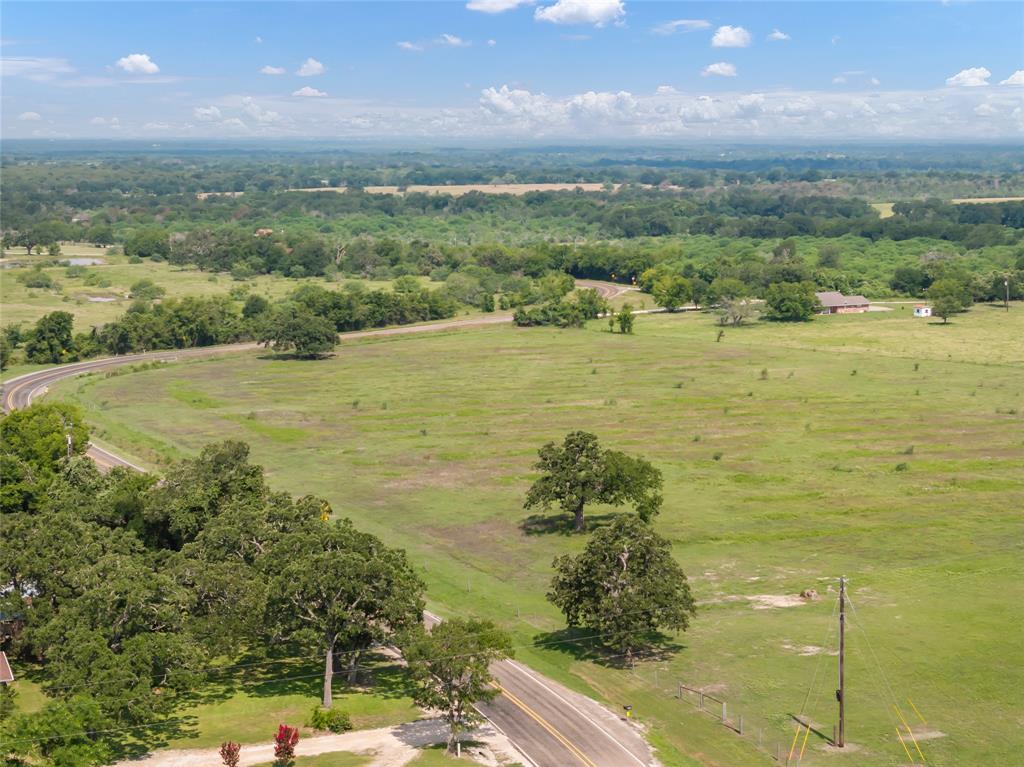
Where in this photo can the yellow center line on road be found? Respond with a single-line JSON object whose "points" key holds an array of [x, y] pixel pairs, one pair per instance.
{"points": [[547, 726]]}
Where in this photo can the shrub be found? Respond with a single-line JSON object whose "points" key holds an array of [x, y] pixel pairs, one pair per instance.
{"points": [[330, 719]]}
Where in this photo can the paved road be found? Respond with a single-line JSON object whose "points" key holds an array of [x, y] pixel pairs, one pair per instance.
{"points": [[550, 724]]}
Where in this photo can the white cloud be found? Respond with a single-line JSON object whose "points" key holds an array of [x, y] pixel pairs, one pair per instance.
{"points": [[34, 68], [491, 43], [30, 117], [875, 81], [666, 90], [308, 92], [985, 110], [720, 68], [680, 25], [258, 40], [405, 45], [310, 67], [260, 114], [836, 39], [969, 78], [138, 64], [1017, 78], [156, 126], [839, 79], [113, 122], [269, 70], [453, 41], [596, 12], [235, 124], [778, 36], [206, 114], [730, 37], [496, 6]]}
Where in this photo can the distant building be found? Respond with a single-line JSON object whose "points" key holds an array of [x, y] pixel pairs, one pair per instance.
{"points": [[834, 302], [922, 311]]}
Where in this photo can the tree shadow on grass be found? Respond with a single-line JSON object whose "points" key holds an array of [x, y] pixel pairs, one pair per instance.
{"points": [[292, 357], [145, 739], [587, 645], [561, 523]]}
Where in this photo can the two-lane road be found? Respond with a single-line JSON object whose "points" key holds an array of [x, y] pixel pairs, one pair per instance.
{"points": [[551, 725]]}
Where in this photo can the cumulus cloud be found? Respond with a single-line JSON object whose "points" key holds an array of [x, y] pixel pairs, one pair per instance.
{"points": [[969, 78], [680, 25], [405, 45], [985, 110], [875, 81], [720, 68], [1017, 78], [235, 124], [596, 12], [310, 67], [206, 114], [30, 117], [138, 64], [730, 37], [113, 122], [496, 6], [778, 36], [665, 90], [453, 41], [269, 70], [262, 115], [308, 92], [491, 43]]}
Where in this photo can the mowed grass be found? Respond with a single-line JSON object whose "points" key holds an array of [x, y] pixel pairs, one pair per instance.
{"points": [[875, 446], [247, 704]]}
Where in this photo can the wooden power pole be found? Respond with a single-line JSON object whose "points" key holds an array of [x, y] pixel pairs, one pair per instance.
{"points": [[841, 692]]}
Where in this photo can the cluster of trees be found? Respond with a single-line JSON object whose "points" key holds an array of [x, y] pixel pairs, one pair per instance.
{"points": [[563, 313], [307, 322], [130, 591]]}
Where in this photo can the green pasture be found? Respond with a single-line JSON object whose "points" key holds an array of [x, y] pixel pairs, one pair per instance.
{"points": [[877, 446], [100, 295]]}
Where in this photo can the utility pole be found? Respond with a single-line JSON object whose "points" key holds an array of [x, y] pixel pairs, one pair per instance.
{"points": [[841, 692]]}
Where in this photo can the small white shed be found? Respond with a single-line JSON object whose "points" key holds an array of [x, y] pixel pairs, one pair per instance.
{"points": [[922, 311]]}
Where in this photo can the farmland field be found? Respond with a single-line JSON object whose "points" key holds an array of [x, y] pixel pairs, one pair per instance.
{"points": [[875, 446]]}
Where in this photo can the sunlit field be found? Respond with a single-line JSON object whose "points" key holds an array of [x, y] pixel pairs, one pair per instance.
{"points": [[876, 446]]}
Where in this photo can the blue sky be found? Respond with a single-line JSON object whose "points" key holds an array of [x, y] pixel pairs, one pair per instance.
{"points": [[502, 69]]}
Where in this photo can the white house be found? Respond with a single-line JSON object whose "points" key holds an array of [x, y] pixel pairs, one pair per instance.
{"points": [[922, 311]]}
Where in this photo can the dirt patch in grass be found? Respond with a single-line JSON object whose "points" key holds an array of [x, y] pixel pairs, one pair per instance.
{"points": [[771, 601]]}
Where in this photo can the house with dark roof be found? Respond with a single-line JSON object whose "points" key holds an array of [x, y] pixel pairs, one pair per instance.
{"points": [[834, 302]]}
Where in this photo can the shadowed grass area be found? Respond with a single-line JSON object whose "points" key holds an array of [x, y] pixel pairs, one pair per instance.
{"points": [[247, 704], [774, 483]]}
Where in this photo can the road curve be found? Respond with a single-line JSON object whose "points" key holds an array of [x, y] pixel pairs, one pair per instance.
{"points": [[551, 725]]}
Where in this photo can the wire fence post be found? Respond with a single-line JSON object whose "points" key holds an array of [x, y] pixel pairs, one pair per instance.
{"points": [[701, 704], [741, 724]]}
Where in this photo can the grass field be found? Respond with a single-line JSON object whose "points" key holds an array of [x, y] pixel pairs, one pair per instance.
{"points": [[884, 209], [875, 446], [108, 299]]}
